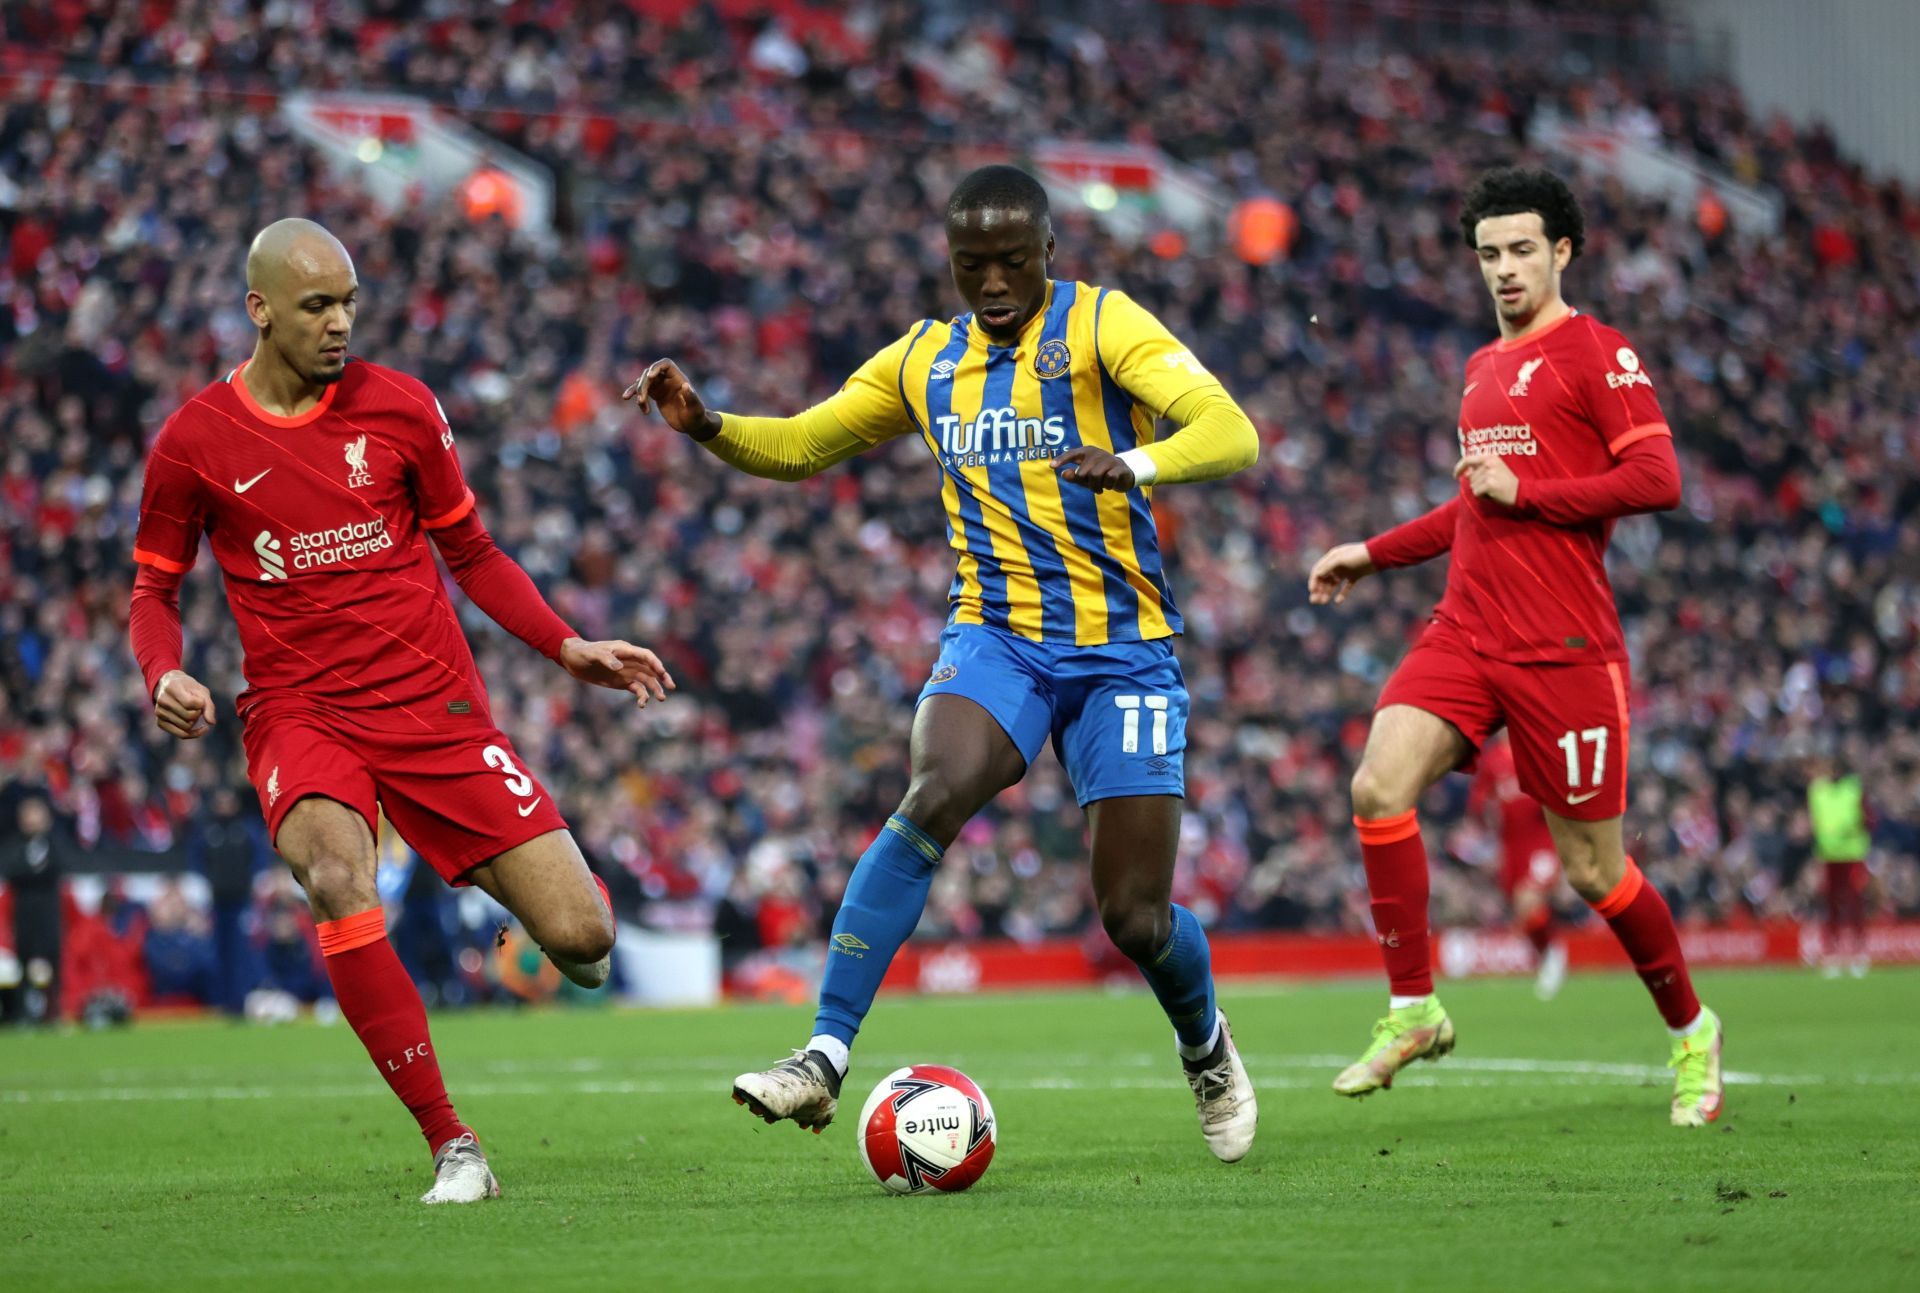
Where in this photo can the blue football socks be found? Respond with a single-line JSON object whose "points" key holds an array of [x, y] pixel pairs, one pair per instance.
{"points": [[1181, 976], [884, 898]]}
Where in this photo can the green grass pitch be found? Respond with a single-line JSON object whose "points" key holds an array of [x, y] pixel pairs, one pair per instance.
{"points": [[212, 1156]]}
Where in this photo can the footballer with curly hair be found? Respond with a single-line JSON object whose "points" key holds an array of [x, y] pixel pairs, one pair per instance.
{"points": [[1560, 436]]}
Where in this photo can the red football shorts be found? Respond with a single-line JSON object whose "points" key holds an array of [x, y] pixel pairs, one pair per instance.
{"points": [[1529, 869], [1568, 722], [457, 798]]}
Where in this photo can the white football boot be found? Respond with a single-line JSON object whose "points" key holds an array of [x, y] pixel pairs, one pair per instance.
{"points": [[461, 1174], [805, 1088], [1223, 1097], [1552, 975]]}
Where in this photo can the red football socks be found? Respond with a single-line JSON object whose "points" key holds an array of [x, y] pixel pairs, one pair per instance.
{"points": [[1396, 862], [1538, 927], [1640, 919], [383, 1006], [1846, 908]]}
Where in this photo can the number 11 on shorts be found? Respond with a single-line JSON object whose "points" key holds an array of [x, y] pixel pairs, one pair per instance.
{"points": [[1130, 722], [1571, 744]]}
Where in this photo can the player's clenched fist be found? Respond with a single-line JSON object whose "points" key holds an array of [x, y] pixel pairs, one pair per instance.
{"points": [[1335, 574], [181, 706], [1488, 476], [618, 666], [665, 387], [1095, 468]]}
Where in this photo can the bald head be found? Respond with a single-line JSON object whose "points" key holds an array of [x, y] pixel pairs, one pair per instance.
{"points": [[302, 295], [290, 250]]}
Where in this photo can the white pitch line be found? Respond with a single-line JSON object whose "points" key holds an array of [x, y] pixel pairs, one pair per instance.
{"points": [[1459, 1072], [708, 1065]]}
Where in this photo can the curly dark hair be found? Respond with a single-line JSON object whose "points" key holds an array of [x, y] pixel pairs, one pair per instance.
{"points": [[1512, 190]]}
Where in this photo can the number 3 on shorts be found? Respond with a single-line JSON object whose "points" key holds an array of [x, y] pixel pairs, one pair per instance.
{"points": [[517, 781], [1571, 744], [1130, 722]]}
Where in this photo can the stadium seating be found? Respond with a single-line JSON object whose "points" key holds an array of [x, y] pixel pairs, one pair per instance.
{"points": [[741, 198]]}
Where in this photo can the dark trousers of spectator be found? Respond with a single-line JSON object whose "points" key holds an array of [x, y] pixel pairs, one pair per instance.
{"points": [[236, 958], [36, 941]]}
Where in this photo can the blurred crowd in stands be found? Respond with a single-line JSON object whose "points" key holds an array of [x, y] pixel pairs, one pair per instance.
{"points": [[760, 199]]}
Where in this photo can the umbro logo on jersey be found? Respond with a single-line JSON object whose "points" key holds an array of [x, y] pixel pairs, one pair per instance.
{"points": [[272, 564], [358, 477], [851, 945], [943, 368], [1527, 370], [239, 488]]}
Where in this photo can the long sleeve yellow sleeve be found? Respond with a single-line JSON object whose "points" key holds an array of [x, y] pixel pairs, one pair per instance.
{"points": [[1215, 439], [784, 448], [858, 416]]}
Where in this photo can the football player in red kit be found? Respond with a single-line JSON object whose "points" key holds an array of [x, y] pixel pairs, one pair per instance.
{"points": [[318, 478], [1560, 435], [1529, 868]]}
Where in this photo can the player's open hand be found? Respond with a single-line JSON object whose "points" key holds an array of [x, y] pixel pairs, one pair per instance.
{"points": [[1335, 574], [1095, 468], [181, 706], [663, 386], [1488, 476], [618, 666]]}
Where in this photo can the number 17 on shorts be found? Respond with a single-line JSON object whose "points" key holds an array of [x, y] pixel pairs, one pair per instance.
{"points": [[1570, 730]]}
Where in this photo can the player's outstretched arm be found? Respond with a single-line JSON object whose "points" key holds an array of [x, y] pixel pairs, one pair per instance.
{"points": [[772, 448], [495, 583]]}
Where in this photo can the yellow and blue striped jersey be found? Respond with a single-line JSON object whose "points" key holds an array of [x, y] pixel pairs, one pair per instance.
{"points": [[1049, 561]]}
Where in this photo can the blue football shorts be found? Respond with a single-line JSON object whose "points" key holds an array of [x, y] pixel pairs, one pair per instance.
{"points": [[1117, 713]]}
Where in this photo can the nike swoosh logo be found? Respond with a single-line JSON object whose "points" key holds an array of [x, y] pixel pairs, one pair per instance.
{"points": [[525, 809], [238, 488], [1571, 799], [1469, 390]]}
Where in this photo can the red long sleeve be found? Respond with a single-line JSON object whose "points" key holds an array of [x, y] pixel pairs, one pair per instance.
{"points": [[1645, 479], [1421, 539], [495, 583], [153, 622]]}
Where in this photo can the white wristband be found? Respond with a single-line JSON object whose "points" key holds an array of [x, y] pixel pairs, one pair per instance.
{"points": [[1145, 472]]}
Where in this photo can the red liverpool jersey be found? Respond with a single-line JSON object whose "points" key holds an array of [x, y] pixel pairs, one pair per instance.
{"points": [[319, 523], [1559, 405]]}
